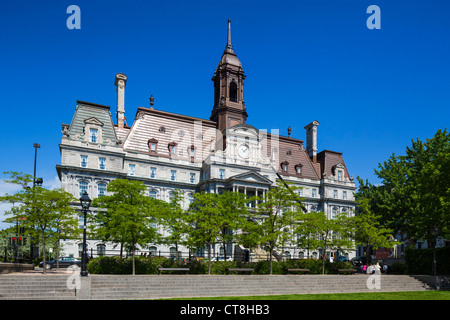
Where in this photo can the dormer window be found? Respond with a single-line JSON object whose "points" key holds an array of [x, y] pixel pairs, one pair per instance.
{"points": [[172, 148], [298, 169], [284, 166], [192, 151], [152, 145]]}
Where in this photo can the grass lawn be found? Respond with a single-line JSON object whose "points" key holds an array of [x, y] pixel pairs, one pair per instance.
{"points": [[409, 295]]}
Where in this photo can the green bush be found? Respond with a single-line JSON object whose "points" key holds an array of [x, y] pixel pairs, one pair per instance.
{"points": [[116, 265], [398, 268], [150, 265], [420, 261], [263, 267]]}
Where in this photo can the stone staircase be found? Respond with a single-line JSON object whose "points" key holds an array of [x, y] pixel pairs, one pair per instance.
{"points": [[118, 287], [35, 287]]}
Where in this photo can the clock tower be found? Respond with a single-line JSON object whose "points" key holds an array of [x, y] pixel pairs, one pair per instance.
{"points": [[229, 107]]}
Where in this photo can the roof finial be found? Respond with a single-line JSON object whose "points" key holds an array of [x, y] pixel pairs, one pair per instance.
{"points": [[151, 101], [229, 35]]}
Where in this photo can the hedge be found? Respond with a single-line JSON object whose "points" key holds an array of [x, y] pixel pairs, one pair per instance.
{"points": [[420, 261], [146, 265]]}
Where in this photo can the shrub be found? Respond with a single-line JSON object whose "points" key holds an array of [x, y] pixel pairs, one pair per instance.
{"points": [[116, 265], [398, 268], [420, 261]]}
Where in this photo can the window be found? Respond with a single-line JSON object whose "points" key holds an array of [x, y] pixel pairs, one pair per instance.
{"points": [[221, 173], [101, 249], [83, 186], [152, 172], [84, 161], [152, 144], [131, 169], [153, 251], [173, 175], [333, 213], [314, 193], [102, 163], [298, 169], [192, 151], [93, 135], [339, 175], [101, 190], [233, 91], [152, 194], [335, 194], [171, 196], [344, 195], [192, 179], [300, 192], [172, 148], [190, 198]]}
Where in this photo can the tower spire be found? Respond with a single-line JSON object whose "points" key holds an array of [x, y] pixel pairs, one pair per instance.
{"points": [[229, 34], [229, 47]]}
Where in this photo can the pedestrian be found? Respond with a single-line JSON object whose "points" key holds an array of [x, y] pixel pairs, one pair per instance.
{"points": [[364, 268], [385, 268]]}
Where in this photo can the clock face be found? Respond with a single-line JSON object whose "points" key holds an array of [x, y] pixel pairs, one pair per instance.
{"points": [[243, 151]]}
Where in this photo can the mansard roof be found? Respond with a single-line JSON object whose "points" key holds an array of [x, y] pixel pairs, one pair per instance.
{"points": [[92, 113]]}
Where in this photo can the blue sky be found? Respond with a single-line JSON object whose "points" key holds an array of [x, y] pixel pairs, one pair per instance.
{"points": [[371, 90]]}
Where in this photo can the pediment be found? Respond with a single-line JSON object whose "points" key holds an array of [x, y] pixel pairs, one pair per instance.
{"points": [[251, 176], [94, 121], [340, 165]]}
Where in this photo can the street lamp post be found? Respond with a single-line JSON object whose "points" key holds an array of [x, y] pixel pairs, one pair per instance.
{"points": [[85, 204], [39, 183], [434, 232]]}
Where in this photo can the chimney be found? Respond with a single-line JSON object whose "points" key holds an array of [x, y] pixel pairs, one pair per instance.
{"points": [[121, 81], [311, 140]]}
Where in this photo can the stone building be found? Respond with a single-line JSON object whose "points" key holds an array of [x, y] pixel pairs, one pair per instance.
{"points": [[169, 151]]}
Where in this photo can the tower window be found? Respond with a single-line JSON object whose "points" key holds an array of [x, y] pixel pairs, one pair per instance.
{"points": [[93, 135], [233, 91]]}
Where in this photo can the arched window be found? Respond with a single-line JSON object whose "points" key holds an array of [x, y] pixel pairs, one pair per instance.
{"points": [[233, 91], [153, 251], [153, 194], [101, 249], [101, 189], [334, 212], [83, 186]]}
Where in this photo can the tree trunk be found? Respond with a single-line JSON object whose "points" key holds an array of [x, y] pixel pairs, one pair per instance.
{"points": [[209, 258], [270, 259], [57, 255], [133, 266], [44, 263]]}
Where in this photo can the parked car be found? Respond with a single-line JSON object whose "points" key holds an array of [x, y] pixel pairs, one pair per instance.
{"points": [[64, 262], [361, 260], [221, 259]]}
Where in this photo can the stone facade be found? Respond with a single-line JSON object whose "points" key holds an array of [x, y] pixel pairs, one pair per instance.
{"points": [[170, 151]]}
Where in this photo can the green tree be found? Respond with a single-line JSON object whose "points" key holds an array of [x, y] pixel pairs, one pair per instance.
{"points": [[326, 234], [368, 230], [204, 222], [414, 197], [277, 213], [128, 215], [173, 218], [233, 213], [43, 213]]}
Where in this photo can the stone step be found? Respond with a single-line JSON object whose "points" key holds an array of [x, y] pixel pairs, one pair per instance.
{"points": [[163, 286]]}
